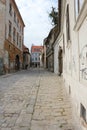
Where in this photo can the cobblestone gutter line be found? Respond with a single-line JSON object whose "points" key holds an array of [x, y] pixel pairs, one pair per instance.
{"points": [[35, 99]]}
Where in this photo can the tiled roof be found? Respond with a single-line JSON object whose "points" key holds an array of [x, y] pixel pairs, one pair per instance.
{"points": [[36, 48]]}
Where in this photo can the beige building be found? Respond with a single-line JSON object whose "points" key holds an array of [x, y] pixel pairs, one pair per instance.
{"points": [[72, 41], [44, 53], [2, 33], [49, 44], [36, 56], [26, 57], [11, 36]]}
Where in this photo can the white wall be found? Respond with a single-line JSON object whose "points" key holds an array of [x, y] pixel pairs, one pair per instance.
{"points": [[56, 58], [75, 59]]}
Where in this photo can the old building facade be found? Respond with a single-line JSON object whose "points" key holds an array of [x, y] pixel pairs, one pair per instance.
{"points": [[49, 44], [70, 54], [36, 56], [2, 33], [26, 57], [44, 52], [13, 36]]}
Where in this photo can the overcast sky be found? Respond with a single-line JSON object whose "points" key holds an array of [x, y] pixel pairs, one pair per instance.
{"points": [[35, 16]]}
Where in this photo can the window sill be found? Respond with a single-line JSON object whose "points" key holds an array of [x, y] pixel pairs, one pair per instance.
{"points": [[82, 15]]}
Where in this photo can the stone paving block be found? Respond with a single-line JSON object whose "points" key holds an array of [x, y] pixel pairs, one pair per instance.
{"points": [[37, 125], [37, 100], [30, 109], [20, 128], [24, 120], [5, 129]]}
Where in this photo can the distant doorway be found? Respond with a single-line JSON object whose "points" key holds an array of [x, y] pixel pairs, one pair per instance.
{"points": [[17, 62], [60, 61]]}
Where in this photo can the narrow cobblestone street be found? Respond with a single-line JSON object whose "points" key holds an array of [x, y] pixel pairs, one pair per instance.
{"points": [[34, 100]]}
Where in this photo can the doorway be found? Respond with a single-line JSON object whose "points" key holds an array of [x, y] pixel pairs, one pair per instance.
{"points": [[17, 62]]}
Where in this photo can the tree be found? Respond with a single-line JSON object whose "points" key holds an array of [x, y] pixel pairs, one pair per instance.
{"points": [[54, 16]]}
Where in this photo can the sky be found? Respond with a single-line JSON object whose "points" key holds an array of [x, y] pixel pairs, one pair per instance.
{"points": [[35, 14]]}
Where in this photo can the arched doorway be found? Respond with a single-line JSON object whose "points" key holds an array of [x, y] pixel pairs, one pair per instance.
{"points": [[60, 61], [17, 62]]}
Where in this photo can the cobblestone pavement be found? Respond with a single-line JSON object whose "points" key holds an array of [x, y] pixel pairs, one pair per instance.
{"points": [[34, 100]]}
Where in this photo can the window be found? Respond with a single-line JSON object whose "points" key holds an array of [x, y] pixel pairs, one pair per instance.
{"points": [[14, 17], [32, 59], [67, 24], [78, 6], [10, 28], [20, 28], [10, 9], [17, 38], [17, 23], [83, 112], [20, 42], [14, 33], [63, 44], [35, 58], [9, 47]]}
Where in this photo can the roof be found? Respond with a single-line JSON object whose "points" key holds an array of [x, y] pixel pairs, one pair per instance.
{"points": [[25, 49], [36, 48]]}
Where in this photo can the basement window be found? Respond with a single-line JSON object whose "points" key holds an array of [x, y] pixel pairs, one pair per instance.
{"points": [[83, 112]]}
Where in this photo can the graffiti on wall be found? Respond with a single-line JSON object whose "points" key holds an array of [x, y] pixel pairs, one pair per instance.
{"points": [[83, 63]]}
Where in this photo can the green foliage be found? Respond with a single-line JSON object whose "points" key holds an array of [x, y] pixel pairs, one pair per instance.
{"points": [[54, 16]]}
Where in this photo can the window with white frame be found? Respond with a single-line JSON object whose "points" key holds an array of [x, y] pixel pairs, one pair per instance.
{"points": [[78, 6]]}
